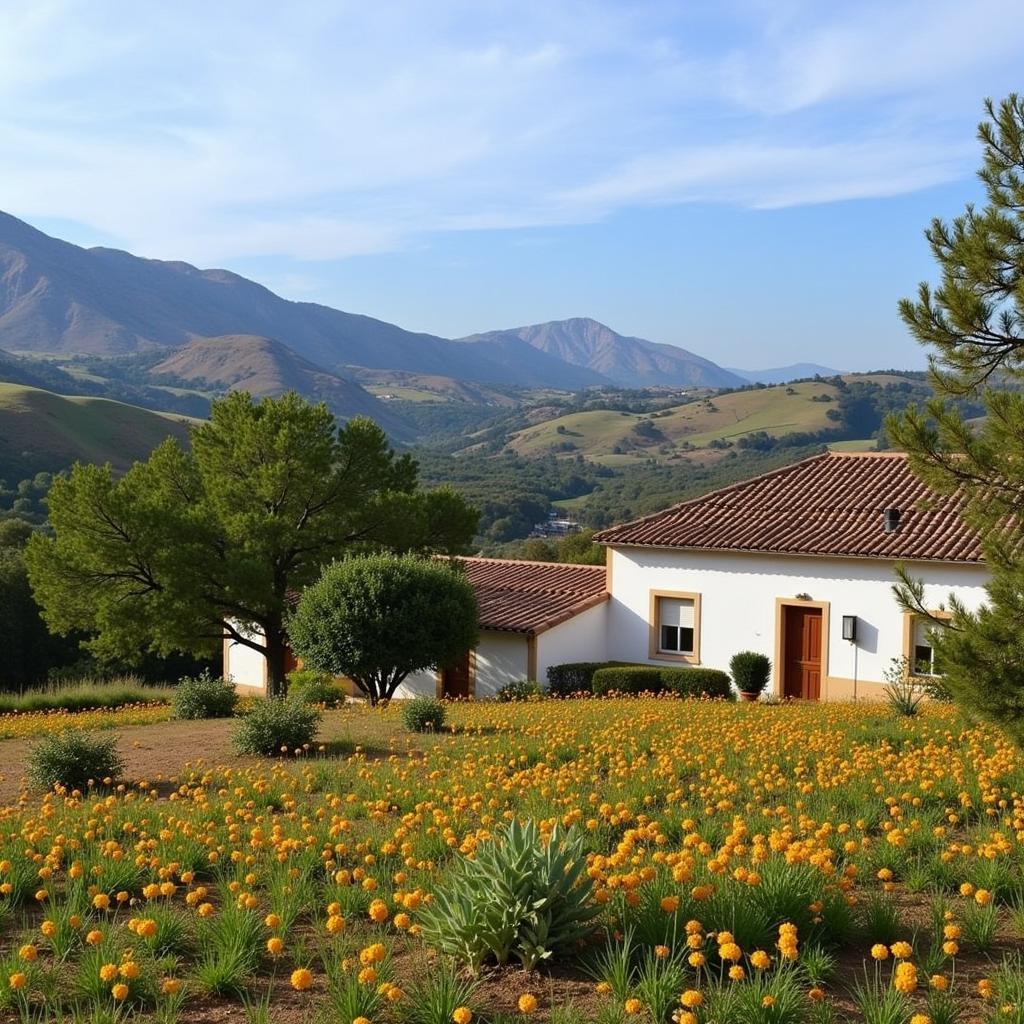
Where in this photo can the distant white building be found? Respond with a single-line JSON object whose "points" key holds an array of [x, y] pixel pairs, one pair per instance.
{"points": [[532, 615], [797, 564]]}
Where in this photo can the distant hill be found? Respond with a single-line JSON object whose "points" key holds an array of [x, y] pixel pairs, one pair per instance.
{"points": [[59, 298], [784, 374], [625, 361], [263, 366], [40, 430], [700, 428]]}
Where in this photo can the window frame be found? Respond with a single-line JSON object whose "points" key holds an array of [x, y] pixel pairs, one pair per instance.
{"points": [[654, 651]]}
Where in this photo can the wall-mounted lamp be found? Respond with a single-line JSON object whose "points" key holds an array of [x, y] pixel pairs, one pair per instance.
{"points": [[850, 627]]}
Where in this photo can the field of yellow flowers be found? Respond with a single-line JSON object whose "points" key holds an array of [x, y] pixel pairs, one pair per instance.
{"points": [[613, 860]]}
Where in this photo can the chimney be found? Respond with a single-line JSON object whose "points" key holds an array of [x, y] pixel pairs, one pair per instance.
{"points": [[891, 518]]}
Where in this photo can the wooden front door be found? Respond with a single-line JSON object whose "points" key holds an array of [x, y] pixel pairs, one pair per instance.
{"points": [[801, 647], [457, 679]]}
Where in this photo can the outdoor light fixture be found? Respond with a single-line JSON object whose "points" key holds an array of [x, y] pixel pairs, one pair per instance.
{"points": [[850, 627]]}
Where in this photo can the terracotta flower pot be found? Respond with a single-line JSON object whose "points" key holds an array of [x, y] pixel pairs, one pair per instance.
{"points": [[748, 696]]}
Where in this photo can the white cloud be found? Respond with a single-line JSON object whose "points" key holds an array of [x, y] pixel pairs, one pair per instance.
{"points": [[315, 131]]}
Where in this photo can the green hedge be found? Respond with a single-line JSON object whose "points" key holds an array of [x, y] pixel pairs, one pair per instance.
{"points": [[575, 676], [685, 682]]}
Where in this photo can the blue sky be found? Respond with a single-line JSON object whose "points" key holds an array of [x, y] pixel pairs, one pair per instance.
{"points": [[749, 180]]}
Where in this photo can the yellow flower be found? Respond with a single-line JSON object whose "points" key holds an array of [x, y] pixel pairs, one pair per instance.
{"points": [[816, 994], [302, 978], [18, 980], [985, 988], [633, 1006], [272, 921], [108, 972], [691, 998], [335, 924], [661, 952], [48, 928], [983, 897], [730, 951], [527, 1003], [275, 945], [28, 952], [119, 991], [939, 982], [920, 1018], [880, 951], [760, 959], [379, 911], [101, 901], [736, 973], [462, 1015], [768, 1001], [670, 904], [129, 969], [696, 959], [901, 950], [170, 986], [951, 948], [904, 978]]}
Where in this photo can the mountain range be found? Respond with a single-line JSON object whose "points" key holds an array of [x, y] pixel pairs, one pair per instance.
{"points": [[59, 299]]}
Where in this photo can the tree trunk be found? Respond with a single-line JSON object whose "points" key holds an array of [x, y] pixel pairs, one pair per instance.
{"points": [[276, 648]]}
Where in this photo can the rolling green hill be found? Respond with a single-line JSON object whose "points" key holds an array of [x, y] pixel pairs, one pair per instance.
{"points": [[620, 438], [40, 430]]}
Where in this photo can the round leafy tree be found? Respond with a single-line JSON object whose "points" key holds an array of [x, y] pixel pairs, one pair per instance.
{"points": [[377, 619]]}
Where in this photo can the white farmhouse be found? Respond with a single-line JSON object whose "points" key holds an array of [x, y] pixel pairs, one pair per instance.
{"points": [[797, 564]]}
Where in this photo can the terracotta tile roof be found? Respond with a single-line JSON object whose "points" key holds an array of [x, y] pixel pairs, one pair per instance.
{"points": [[530, 597], [830, 504]]}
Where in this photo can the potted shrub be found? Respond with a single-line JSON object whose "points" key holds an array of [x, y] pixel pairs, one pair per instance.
{"points": [[750, 672]]}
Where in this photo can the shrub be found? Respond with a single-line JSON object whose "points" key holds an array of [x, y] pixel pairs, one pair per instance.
{"points": [[73, 758], [520, 895], [684, 682], [902, 692], [276, 725], [627, 679], [521, 689], [315, 687], [424, 714], [750, 671], [697, 682], [574, 677], [204, 697]]}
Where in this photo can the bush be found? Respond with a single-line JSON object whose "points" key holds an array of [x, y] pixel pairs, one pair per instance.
{"points": [[750, 671], [519, 896], [697, 682], [521, 689], [73, 758], [575, 677], [276, 725], [424, 714], [315, 687], [204, 697], [627, 679], [684, 682]]}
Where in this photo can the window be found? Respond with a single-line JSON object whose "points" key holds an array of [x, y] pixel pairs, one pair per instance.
{"points": [[922, 655], [675, 626], [675, 623], [917, 643]]}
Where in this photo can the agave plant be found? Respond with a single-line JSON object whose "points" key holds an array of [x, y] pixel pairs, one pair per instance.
{"points": [[520, 895]]}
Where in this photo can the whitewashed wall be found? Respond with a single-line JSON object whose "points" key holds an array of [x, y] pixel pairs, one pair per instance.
{"points": [[584, 637], [501, 658], [244, 666], [738, 610]]}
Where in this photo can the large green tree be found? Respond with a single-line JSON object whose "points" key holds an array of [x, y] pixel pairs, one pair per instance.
{"points": [[208, 542], [973, 324], [380, 618]]}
